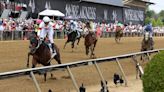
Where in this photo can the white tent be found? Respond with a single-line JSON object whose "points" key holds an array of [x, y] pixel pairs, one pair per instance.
{"points": [[48, 12]]}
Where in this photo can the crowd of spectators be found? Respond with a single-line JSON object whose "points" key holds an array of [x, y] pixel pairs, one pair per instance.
{"points": [[22, 28], [29, 25]]}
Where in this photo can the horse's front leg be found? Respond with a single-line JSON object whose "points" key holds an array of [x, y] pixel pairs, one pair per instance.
{"points": [[65, 44], [86, 50], [28, 59], [78, 41], [73, 45], [92, 51]]}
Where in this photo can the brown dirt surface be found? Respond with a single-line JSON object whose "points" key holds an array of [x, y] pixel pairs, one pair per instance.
{"points": [[13, 56]]}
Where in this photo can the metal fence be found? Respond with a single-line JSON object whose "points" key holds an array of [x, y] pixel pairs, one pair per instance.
{"points": [[20, 35], [32, 71]]}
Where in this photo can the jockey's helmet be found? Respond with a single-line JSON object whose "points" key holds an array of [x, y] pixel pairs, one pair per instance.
{"points": [[71, 21], [119, 24], [46, 19]]}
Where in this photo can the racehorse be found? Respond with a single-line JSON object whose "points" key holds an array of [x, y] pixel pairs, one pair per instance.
{"points": [[147, 43], [41, 54], [72, 37], [118, 34], [90, 43]]}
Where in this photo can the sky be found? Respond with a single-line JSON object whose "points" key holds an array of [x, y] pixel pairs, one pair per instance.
{"points": [[159, 5]]}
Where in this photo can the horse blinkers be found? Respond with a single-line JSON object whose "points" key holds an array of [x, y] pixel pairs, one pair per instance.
{"points": [[33, 43]]}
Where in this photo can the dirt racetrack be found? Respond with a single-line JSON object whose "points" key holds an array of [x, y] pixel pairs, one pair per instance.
{"points": [[13, 56]]}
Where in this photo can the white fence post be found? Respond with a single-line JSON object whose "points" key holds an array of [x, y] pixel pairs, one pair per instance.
{"points": [[122, 71], [35, 82], [73, 79], [139, 69], [101, 76]]}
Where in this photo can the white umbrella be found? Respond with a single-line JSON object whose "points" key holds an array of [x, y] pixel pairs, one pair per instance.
{"points": [[48, 12]]}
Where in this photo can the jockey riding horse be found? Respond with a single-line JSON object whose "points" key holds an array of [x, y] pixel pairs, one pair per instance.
{"points": [[119, 32], [41, 49], [90, 40], [147, 42], [73, 33]]}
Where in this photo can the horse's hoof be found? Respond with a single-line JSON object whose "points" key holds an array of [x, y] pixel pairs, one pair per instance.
{"points": [[54, 78], [27, 65], [52, 75]]}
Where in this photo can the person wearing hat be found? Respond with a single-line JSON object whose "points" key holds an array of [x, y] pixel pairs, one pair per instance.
{"points": [[149, 28], [46, 29]]}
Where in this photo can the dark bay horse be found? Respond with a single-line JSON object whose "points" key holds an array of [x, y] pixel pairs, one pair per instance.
{"points": [[90, 43], [72, 37], [41, 54], [118, 34], [147, 43]]}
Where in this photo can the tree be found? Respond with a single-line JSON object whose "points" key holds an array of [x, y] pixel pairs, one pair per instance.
{"points": [[159, 22], [161, 14], [153, 80], [150, 13], [154, 23]]}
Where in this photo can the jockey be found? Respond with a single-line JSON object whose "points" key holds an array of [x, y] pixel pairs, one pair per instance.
{"points": [[119, 27], [74, 27], [149, 28], [46, 29]]}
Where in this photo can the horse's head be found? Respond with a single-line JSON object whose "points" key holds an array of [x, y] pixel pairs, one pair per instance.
{"points": [[146, 36], [33, 43]]}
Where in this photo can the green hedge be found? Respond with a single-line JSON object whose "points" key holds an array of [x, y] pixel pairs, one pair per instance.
{"points": [[153, 78]]}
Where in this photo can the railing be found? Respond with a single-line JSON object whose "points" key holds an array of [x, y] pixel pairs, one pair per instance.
{"points": [[20, 35], [32, 71]]}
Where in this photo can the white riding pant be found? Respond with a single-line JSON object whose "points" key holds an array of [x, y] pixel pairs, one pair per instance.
{"points": [[49, 33]]}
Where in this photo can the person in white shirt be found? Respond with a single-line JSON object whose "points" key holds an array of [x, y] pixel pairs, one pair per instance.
{"points": [[46, 27]]}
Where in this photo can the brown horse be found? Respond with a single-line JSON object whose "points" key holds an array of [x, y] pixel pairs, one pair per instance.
{"points": [[118, 34], [147, 43], [41, 54], [90, 43]]}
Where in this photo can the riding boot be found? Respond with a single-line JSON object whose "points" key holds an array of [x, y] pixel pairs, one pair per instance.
{"points": [[53, 50]]}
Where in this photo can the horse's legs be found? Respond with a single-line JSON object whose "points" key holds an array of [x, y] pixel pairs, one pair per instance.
{"points": [[92, 51], [45, 76], [65, 44], [87, 50], [116, 39], [28, 59], [78, 41], [34, 63], [73, 45]]}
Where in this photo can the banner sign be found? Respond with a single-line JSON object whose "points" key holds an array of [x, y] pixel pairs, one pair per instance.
{"points": [[134, 15]]}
